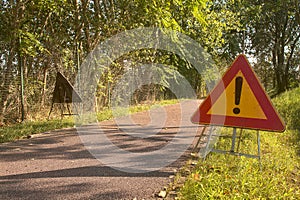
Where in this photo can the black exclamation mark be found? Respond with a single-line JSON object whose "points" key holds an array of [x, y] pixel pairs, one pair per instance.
{"points": [[238, 91]]}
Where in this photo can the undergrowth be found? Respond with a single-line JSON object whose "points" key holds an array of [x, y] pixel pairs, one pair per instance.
{"points": [[288, 105]]}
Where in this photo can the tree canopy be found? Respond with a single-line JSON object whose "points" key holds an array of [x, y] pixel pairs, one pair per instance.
{"points": [[42, 37]]}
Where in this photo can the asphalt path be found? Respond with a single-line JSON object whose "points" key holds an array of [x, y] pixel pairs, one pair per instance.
{"points": [[58, 164]]}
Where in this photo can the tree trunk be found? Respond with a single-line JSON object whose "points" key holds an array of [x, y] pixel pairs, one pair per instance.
{"points": [[5, 86], [279, 66], [45, 73]]}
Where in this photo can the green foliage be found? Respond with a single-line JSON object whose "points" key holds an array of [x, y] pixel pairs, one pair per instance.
{"points": [[288, 105], [29, 44], [56, 35]]}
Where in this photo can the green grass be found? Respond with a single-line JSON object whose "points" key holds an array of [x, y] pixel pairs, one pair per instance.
{"points": [[288, 105], [230, 177], [21, 130], [17, 131]]}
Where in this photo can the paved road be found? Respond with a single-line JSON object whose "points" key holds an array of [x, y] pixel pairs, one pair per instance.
{"points": [[56, 165]]}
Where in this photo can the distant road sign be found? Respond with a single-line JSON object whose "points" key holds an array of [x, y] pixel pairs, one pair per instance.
{"points": [[239, 100]]}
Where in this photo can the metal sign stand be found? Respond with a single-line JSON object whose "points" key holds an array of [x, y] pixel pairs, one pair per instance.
{"points": [[63, 108], [205, 142], [199, 139], [234, 150], [237, 152]]}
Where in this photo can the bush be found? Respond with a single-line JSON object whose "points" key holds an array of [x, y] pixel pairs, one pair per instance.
{"points": [[288, 105]]}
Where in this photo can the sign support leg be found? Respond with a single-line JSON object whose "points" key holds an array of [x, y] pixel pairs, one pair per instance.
{"points": [[68, 106], [240, 137], [207, 143], [61, 111], [199, 139], [50, 110], [258, 149], [233, 140]]}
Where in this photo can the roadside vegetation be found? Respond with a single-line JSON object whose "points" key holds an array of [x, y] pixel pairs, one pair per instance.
{"points": [[27, 128], [230, 177], [42, 37]]}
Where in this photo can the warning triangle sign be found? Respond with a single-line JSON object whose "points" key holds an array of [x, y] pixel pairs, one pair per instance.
{"points": [[239, 100], [64, 91]]}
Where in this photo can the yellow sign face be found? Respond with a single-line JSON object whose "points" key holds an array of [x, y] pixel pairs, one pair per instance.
{"points": [[248, 105]]}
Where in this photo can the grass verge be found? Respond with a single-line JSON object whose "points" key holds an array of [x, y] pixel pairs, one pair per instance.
{"points": [[22, 130], [229, 177]]}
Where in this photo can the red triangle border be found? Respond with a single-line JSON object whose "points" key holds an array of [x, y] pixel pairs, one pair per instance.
{"points": [[272, 122]]}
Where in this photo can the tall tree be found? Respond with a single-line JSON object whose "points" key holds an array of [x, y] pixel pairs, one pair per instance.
{"points": [[56, 35], [274, 31]]}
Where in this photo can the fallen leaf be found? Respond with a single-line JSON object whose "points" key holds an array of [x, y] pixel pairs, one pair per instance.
{"points": [[162, 194]]}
